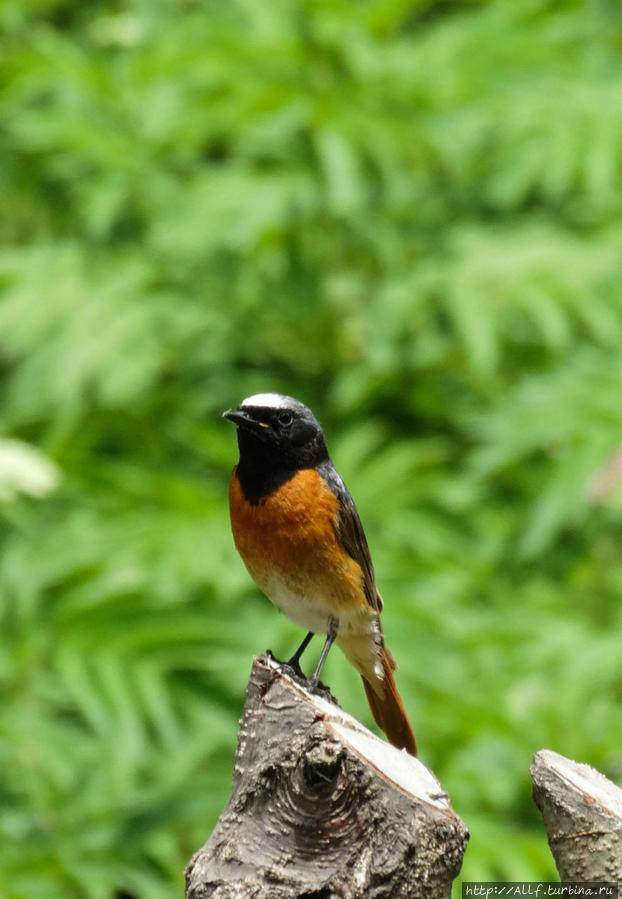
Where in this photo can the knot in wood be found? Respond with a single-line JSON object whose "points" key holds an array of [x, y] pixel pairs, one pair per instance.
{"points": [[322, 764], [314, 806]]}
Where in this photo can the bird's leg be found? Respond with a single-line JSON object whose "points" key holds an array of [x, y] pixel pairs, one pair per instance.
{"points": [[294, 662], [331, 633]]}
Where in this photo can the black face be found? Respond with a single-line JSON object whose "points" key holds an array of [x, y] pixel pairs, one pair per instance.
{"points": [[277, 436], [278, 422]]}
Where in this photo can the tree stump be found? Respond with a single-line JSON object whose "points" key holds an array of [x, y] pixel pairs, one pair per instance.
{"points": [[582, 813], [322, 808]]}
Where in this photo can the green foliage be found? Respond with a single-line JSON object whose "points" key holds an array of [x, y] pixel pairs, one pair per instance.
{"points": [[406, 214]]}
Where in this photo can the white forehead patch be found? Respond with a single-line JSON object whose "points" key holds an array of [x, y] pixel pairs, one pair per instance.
{"points": [[266, 401]]}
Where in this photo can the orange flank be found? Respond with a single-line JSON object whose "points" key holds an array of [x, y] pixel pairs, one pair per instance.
{"points": [[290, 535]]}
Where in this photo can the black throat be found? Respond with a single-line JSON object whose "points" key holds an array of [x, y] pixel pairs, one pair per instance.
{"points": [[264, 467]]}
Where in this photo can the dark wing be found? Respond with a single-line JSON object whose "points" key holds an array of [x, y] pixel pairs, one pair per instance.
{"points": [[350, 532]]}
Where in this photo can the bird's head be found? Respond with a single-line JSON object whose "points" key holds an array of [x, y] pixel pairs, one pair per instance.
{"points": [[280, 427]]}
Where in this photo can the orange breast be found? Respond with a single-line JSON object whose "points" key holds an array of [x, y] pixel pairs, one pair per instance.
{"points": [[290, 537]]}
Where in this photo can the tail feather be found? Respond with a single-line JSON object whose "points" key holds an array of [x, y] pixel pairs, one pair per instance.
{"points": [[387, 707]]}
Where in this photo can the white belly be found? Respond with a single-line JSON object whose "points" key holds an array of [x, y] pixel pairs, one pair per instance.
{"points": [[358, 633], [307, 612]]}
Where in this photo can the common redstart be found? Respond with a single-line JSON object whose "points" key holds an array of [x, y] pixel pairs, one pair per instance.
{"points": [[300, 536]]}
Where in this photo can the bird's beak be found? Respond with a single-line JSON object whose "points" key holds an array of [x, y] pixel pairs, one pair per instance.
{"points": [[236, 416], [242, 419]]}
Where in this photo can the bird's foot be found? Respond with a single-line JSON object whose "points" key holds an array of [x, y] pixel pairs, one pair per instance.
{"points": [[317, 688], [292, 669]]}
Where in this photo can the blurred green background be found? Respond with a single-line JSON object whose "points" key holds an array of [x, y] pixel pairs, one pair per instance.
{"points": [[407, 214]]}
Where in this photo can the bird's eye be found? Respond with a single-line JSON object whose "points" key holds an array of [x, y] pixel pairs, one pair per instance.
{"points": [[285, 419]]}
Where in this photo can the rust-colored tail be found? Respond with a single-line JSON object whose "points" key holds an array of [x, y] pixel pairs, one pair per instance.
{"points": [[387, 708]]}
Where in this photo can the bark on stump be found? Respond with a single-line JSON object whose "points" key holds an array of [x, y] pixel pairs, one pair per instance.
{"points": [[582, 813], [321, 808]]}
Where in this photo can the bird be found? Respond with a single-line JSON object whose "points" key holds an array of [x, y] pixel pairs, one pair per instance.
{"points": [[298, 531]]}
